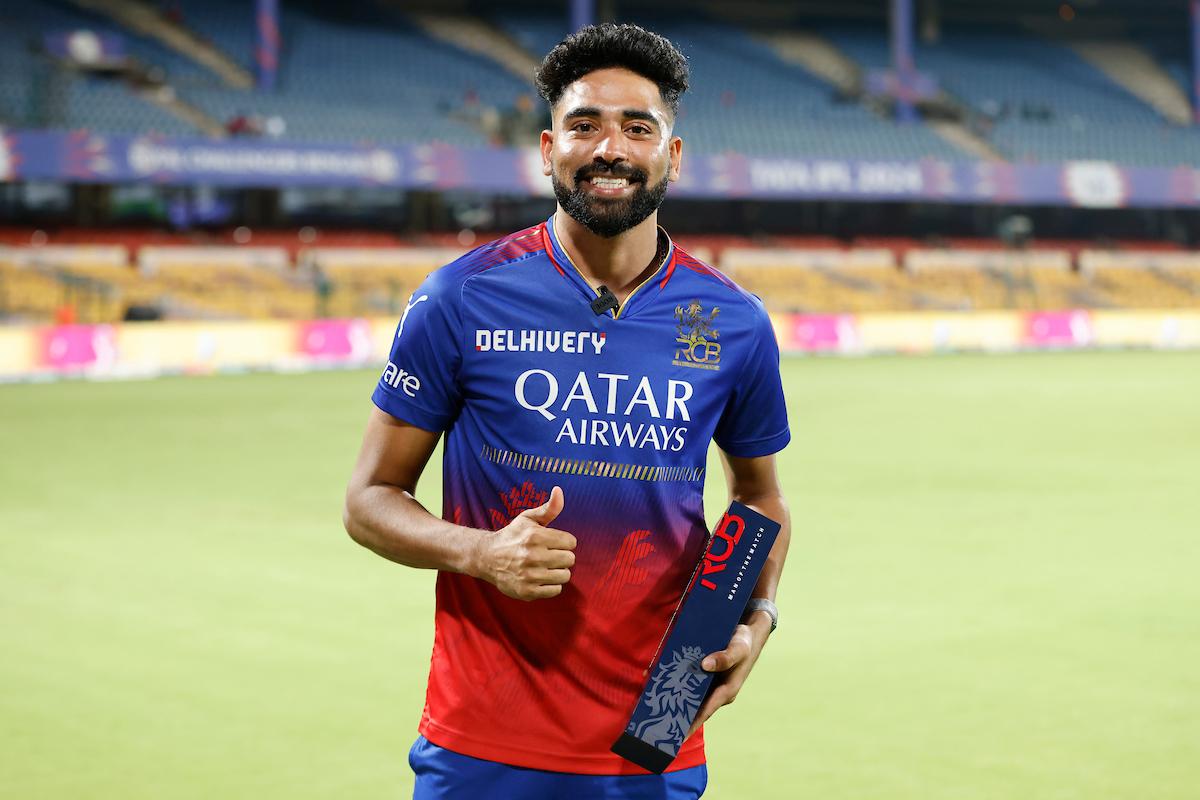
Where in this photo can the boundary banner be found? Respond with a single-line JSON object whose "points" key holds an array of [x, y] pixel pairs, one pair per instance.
{"points": [[87, 157], [147, 349]]}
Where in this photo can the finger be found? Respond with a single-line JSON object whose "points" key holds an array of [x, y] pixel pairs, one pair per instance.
{"points": [[550, 576], [710, 706], [547, 511], [560, 540], [544, 592], [726, 659], [559, 559]]}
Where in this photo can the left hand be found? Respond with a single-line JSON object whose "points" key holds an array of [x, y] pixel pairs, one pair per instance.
{"points": [[733, 665]]}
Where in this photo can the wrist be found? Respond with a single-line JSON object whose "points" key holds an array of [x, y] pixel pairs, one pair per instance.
{"points": [[474, 562], [763, 611]]}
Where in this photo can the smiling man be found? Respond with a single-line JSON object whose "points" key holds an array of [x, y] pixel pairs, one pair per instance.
{"points": [[579, 370]]}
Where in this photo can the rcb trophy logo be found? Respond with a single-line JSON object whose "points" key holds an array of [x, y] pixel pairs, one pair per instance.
{"points": [[673, 697], [695, 335]]}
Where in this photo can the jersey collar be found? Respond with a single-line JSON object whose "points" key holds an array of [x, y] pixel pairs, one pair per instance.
{"points": [[649, 287]]}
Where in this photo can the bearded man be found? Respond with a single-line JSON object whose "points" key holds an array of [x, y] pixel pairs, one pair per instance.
{"points": [[579, 370]]}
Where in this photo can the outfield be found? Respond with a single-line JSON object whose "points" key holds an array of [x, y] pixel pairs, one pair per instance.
{"points": [[993, 590]]}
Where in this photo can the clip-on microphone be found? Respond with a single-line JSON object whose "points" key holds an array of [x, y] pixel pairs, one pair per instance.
{"points": [[607, 301]]}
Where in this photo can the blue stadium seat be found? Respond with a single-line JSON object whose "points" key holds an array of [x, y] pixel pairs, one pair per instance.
{"points": [[1014, 76], [744, 98]]}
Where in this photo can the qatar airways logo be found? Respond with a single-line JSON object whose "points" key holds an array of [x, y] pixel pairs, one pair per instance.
{"points": [[613, 395], [540, 341]]}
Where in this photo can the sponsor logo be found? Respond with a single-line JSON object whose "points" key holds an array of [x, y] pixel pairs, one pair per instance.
{"points": [[408, 308], [613, 395], [695, 335], [400, 379], [540, 341]]}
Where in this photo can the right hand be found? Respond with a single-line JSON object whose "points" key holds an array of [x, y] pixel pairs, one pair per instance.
{"points": [[525, 559]]}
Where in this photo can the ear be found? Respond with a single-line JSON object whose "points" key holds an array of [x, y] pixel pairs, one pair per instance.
{"points": [[675, 150], [547, 146]]}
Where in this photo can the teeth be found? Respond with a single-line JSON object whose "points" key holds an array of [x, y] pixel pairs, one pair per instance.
{"points": [[609, 183]]}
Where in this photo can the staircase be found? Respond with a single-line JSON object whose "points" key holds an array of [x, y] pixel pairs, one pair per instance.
{"points": [[818, 56], [1136, 71], [964, 139], [827, 62], [166, 98], [476, 36]]}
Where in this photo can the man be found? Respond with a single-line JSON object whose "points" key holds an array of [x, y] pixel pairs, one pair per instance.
{"points": [[579, 370]]}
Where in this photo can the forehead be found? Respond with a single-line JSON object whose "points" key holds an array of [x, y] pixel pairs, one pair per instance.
{"points": [[613, 89]]}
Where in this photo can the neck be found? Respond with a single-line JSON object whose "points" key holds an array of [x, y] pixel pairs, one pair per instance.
{"points": [[621, 263]]}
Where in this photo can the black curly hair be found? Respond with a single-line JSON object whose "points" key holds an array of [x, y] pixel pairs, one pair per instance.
{"points": [[608, 45]]}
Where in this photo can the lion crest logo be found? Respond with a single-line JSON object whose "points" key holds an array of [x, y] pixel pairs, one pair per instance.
{"points": [[674, 698], [695, 335]]}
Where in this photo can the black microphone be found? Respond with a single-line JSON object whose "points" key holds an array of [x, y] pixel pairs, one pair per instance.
{"points": [[607, 301]]}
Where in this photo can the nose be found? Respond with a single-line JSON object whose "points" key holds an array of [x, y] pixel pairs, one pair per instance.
{"points": [[610, 147]]}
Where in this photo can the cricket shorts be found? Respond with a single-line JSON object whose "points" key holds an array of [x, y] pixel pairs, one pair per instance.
{"points": [[445, 775]]}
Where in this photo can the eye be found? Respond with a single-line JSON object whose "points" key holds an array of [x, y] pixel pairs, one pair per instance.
{"points": [[640, 130], [583, 127]]}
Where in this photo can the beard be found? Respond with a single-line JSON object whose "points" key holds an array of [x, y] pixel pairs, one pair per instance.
{"points": [[609, 217]]}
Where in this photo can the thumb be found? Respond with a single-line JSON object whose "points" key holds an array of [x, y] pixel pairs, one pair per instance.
{"points": [[548, 511]]}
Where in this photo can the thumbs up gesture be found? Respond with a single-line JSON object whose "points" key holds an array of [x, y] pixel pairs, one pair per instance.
{"points": [[526, 559]]}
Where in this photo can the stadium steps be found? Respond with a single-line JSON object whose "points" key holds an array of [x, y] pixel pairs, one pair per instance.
{"points": [[823, 59], [474, 36], [817, 55], [1134, 69], [964, 139], [146, 20], [166, 98]]}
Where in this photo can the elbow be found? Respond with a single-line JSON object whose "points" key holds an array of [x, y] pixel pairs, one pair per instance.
{"points": [[351, 522]]}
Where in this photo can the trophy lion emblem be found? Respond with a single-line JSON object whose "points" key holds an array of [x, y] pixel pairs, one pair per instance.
{"points": [[674, 699]]}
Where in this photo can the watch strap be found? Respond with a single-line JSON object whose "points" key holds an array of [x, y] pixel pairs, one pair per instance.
{"points": [[766, 606]]}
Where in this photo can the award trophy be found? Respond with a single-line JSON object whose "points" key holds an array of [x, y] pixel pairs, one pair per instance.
{"points": [[707, 614]]}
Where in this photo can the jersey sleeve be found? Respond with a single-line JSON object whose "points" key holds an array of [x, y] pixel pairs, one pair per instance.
{"points": [[754, 421], [420, 381]]}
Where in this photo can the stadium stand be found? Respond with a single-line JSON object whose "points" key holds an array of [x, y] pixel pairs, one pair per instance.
{"points": [[372, 276], [737, 100], [1041, 100], [1032, 99], [339, 79], [34, 92]]}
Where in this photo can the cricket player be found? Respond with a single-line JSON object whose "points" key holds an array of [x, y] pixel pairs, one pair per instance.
{"points": [[578, 370]]}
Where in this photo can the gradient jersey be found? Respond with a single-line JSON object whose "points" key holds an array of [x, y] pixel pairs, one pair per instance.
{"points": [[502, 351]]}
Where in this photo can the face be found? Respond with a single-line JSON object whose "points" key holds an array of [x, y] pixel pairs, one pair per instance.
{"points": [[611, 154]]}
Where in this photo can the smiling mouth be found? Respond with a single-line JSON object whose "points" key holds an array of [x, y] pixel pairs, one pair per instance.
{"points": [[601, 182]]}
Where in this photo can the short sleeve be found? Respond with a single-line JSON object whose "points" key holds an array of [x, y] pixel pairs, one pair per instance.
{"points": [[754, 422], [420, 381]]}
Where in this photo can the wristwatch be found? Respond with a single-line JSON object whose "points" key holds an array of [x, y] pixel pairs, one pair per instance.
{"points": [[766, 606]]}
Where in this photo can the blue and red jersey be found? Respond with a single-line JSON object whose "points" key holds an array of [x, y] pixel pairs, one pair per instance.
{"points": [[502, 350]]}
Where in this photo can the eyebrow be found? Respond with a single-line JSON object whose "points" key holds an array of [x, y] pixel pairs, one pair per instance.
{"points": [[593, 111]]}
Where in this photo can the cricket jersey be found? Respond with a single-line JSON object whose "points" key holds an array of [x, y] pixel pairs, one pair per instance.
{"points": [[503, 351]]}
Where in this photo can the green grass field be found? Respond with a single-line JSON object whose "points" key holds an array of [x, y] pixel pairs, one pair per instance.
{"points": [[993, 590]]}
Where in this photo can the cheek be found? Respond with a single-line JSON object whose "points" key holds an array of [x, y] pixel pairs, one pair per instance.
{"points": [[563, 161]]}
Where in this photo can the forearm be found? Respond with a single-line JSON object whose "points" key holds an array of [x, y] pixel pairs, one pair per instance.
{"points": [[773, 506], [389, 520]]}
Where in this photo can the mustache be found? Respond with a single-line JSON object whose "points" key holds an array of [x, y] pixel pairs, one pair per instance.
{"points": [[620, 169]]}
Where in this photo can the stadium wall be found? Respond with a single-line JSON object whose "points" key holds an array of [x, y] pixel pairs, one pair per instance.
{"points": [[148, 349]]}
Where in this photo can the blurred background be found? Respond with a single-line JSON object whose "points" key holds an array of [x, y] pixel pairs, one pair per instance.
{"points": [[992, 589]]}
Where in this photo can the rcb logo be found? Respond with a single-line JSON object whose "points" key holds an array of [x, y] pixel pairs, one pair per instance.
{"points": [[694, 335]]}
